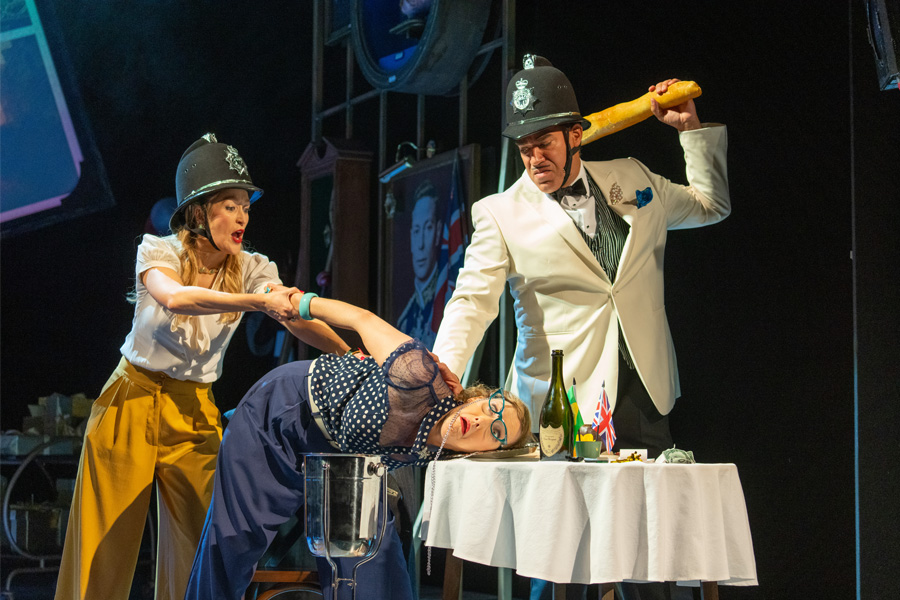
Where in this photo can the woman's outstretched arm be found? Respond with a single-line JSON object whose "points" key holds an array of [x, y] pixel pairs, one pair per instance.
{"points": [[379, 337], [166, 287], [317, 334]]}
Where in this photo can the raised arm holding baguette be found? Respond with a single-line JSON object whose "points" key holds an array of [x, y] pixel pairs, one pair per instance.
{"points": [[682, 117], [670, 94]]}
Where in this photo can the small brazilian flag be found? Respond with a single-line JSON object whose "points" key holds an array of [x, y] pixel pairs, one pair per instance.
{"points": [[576, 414]]}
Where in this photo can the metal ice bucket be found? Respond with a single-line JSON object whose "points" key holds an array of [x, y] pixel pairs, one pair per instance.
{"points": [[342, 493]]}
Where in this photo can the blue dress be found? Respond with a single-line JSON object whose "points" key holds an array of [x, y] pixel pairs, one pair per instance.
{"points": [[366, 409]]}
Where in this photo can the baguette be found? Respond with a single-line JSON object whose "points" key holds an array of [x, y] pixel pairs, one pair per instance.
{"points": [[618, 117]]}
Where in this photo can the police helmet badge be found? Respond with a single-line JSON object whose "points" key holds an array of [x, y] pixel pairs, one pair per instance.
{"points": [[235, 162], [523, 99]]}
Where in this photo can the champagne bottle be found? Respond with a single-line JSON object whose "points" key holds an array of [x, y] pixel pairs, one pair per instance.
{"points": [[556, 415]]}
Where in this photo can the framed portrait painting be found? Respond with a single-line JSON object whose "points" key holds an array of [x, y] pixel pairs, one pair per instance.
{"points": [[427, 227]]}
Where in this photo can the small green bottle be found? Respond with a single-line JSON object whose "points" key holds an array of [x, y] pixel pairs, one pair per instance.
{"points": [[555, 435]]}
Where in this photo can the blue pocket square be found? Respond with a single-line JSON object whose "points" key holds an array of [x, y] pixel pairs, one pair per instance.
{"points": [[644, 197]]}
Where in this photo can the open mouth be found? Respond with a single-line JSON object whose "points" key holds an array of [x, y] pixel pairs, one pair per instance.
{"points": [[238, 236]]}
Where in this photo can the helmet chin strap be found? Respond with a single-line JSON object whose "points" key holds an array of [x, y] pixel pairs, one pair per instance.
{"points": [[570, 152], [204, 231]]}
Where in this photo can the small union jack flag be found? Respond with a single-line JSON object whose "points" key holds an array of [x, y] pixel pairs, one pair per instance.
{"points": [[603, 423]]}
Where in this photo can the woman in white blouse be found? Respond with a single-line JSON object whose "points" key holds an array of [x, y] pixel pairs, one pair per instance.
{"points": [[156, 419]]}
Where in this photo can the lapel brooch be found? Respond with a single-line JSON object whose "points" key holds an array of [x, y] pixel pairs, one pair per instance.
{"points": [[615, 194]]}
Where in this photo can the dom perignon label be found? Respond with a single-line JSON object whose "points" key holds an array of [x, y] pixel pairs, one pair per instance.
{"points": [[551, 440]]}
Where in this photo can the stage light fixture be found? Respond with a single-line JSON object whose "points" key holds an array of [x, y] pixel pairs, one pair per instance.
{"points": [[406, 162], [394, 170]]}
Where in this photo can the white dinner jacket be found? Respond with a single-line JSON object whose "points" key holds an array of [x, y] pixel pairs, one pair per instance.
{"points": [[563, 298]]}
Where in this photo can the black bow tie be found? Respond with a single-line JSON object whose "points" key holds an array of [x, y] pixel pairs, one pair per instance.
{"points": [[576, 190]]}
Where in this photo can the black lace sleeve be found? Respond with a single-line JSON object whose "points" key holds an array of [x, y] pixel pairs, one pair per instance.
{"points": [[414, 387]]}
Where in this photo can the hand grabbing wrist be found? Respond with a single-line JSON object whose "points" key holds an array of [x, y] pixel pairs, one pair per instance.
{"points": [[277, 303]]}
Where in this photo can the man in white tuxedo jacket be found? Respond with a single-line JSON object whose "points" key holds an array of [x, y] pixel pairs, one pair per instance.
{"points": [[585, 269]]}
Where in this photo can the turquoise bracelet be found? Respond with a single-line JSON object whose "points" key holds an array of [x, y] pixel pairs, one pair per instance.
{"points": [[303, 305]]}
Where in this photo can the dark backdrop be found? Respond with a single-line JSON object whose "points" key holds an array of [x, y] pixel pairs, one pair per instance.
{"points": [[761, 306]]}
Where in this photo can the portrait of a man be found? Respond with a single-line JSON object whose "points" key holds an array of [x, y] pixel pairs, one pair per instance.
{"points": [[424, 244]]}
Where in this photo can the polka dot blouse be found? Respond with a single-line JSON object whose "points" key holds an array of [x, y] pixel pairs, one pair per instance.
{"points": [[387, 410]]}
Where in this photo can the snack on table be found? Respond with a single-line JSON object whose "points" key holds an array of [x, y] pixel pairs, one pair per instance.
{"points": [[633, 457], [620, 116]]}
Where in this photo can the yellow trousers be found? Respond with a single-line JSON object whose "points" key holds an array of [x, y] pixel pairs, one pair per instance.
{"points": [[144, 427]]}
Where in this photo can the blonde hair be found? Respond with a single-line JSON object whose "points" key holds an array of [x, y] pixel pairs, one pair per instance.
{"points": [[230, 277], [480, 390]]}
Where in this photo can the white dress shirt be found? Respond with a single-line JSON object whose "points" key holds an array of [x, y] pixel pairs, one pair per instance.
{"points": [[581, 209], [194, 349]]}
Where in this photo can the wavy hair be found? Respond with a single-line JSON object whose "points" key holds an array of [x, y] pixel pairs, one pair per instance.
{"points": [[230, 277]]}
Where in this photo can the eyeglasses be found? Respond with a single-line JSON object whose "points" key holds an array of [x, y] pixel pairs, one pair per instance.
{"points": [[498, 427]]}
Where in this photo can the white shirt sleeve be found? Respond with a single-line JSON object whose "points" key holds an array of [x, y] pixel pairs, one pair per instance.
{"points": [[258, 271], [156, 252]]}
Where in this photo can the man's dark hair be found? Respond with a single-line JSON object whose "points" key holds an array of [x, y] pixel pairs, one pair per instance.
{"points": [[425, 189]]}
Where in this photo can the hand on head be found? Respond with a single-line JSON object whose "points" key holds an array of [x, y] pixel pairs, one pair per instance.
{"points": [[447, 375], [682, 117]]}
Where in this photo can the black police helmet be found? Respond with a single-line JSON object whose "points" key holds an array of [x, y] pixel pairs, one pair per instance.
{"points": [[537, 97], [205, 167]]}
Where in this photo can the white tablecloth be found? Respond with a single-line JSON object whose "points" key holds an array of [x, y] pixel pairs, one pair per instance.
{"points": [[594, 523]]}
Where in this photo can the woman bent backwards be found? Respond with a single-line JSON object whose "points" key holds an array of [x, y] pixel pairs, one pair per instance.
{"points": [[398, 402]]}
